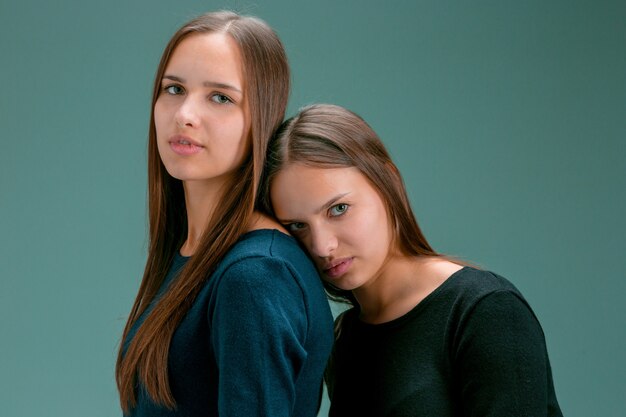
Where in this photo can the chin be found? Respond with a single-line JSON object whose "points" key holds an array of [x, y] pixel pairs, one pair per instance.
{"points": [[343, 286], [182, 173], [178, 175]]}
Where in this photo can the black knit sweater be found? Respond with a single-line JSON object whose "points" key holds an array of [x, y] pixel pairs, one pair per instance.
{"points": [[473, 347]]}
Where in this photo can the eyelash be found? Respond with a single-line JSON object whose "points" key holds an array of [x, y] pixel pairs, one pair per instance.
{"points": [[341, 212], [221, 96], [217, 98], [291, 227], [298, 226], [167, 89]]}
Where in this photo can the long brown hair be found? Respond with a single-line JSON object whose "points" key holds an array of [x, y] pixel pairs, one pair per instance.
{"points": [[266, 71], [330, 136]]}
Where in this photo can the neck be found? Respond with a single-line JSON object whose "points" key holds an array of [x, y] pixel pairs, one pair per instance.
{"points": [[201, 199], [402, 284], [380, 294]]}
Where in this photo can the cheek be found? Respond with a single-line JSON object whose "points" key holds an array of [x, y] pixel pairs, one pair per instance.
{"points": [[306, 243], [232, 133], [375, 233], [159, 117], [246, 138], [158, 129], [241, 149]]}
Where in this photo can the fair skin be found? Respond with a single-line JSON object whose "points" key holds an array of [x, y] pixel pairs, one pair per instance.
{"points": [[342, 221], [202, 123]]}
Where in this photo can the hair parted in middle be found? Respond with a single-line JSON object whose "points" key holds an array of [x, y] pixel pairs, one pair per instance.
{"points": [[330, 136], [266, 92]]}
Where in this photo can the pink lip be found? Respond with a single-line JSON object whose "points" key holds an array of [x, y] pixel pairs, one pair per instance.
{"points": [[337, 268], [182, 145]]}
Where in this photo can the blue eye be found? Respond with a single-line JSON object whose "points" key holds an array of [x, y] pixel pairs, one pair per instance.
{"points": [[295, 227], [220, 99], [173, 90], [338, 209]]}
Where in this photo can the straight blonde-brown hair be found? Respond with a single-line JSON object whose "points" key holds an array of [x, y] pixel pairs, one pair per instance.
{"points": [[143, 360]]}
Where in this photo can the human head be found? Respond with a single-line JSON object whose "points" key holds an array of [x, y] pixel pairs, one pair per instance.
{"points": [[329, 136], [267, 78]]}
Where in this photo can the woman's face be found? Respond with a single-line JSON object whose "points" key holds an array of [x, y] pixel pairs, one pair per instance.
{"points": [[339, 217], [201, 115]]}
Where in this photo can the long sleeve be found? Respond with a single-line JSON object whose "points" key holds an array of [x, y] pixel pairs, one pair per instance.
{"points": [[502, 362], [256, 338], [259, 327]]}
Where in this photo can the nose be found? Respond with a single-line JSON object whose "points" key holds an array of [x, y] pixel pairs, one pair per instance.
{"points": [[187, 113], [322, 242]]}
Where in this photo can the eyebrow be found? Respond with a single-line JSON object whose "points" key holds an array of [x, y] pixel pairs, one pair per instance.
{"points": [[323, 207], [209, 84], [330, 202]]}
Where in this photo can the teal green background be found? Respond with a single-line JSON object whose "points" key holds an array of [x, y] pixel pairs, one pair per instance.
{"points": [[507, 119]]}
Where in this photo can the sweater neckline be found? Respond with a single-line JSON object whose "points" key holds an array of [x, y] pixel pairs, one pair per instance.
{"points": [[415, 311], [245, 236]]}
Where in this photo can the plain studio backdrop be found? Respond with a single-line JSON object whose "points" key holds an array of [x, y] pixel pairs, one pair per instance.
{"points": [[507, 119]]}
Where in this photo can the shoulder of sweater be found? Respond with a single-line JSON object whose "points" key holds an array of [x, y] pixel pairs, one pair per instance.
{"points": [[459, 294], [472, 283], [471, 287], [262, 244], [264, 257]]}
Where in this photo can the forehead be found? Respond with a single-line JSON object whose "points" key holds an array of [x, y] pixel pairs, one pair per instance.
{"points": [[210, 54], [299, 190]]}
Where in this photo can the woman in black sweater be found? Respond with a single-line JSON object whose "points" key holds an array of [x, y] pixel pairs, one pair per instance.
{"points": [[426, 336]]}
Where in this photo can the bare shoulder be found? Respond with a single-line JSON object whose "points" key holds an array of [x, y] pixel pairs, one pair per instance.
{"points": [[448, 267], [440, 269]]}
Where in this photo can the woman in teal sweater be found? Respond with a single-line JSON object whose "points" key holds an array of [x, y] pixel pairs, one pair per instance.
{"points": [[230, 318]]}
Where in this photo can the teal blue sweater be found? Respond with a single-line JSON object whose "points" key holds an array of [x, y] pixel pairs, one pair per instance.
{"points": [[256, 340]]}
